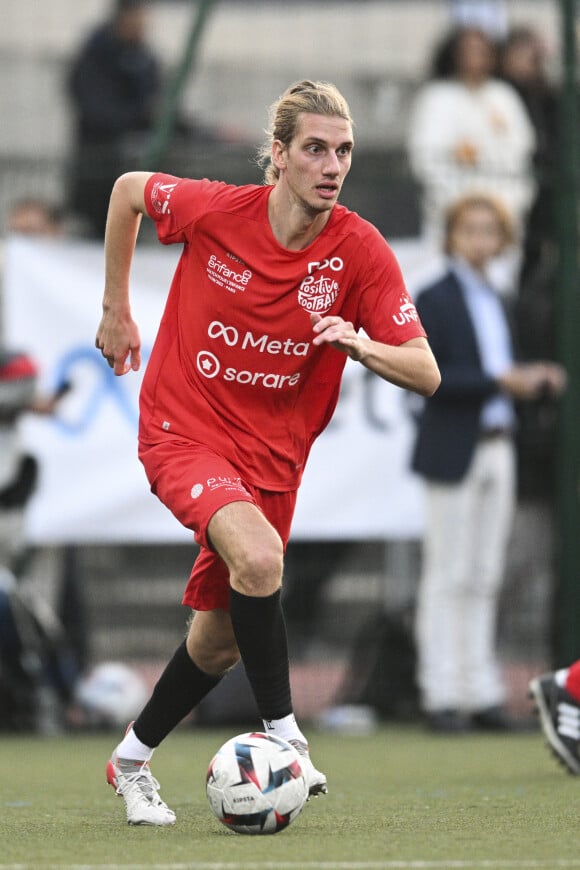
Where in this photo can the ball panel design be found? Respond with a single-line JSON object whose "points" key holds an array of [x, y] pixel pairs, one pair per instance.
{"points": [[255, 784]]}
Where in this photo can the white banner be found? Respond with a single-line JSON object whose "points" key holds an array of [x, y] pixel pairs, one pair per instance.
{"points": [[92, 486]]}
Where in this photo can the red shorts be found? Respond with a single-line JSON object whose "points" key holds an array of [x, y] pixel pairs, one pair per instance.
{"points": [[194, 482]]}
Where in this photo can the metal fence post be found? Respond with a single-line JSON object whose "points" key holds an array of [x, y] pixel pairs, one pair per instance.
{"points": [[568, 598]]}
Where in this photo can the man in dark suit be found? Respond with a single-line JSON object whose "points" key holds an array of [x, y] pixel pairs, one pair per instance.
{"points": [[465, 452], [114, 85]]}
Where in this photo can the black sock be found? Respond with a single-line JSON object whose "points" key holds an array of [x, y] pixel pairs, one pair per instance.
{"points": [[260, 633], [179, 689]]}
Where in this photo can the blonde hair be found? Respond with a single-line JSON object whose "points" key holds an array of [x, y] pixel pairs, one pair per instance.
{"points": [[479, 200], [315, 98]]}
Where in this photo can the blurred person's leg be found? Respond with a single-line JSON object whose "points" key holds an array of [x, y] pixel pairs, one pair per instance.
{"points": [[447, 546], [494, 465]]}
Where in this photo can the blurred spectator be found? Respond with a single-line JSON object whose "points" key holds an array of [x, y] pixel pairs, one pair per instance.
{"points": [[35, 217], [469, 131], [522, 63], [19, 395], [465, 451], [114, 85], [32, 216]]}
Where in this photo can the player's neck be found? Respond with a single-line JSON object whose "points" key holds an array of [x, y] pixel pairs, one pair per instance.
{"points": [[294, 226]]}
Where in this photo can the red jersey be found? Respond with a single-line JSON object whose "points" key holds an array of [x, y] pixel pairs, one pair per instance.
{"points": [[233, 365]]}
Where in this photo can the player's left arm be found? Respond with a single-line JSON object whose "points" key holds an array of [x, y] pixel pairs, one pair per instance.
{"points": [[410, 365]]}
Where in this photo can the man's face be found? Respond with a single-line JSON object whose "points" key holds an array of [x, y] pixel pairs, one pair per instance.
{"points": [[477, 236], [315, 164], [131, 25]]}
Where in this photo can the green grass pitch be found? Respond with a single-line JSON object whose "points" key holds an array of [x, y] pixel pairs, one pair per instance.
{"points": [[399, 799]]}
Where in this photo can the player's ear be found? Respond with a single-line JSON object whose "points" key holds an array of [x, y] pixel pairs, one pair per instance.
{"points": [[279, 154]]}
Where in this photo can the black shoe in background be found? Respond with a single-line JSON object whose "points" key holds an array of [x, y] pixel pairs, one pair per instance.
{"points": [[447, 722], [495, 719]]}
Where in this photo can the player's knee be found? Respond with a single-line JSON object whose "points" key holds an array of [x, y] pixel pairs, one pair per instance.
{"points": [[260, 571]]}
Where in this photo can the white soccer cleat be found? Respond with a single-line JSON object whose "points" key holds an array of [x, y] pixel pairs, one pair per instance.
{"points": [[315, 779], [133, 781]]}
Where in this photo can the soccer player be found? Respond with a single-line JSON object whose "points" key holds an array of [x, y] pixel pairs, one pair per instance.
{"points": [[557, 698], [273, 285]]}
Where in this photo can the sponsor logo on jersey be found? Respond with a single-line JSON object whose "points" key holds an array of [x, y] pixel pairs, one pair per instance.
{"points": [[262, 343], [225, 276], [161, 197], [210, 367], [208, 364], [317, 292], [407, 312]]}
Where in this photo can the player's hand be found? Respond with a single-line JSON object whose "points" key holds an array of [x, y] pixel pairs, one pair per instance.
{"points": [[530, 381], [119, 341], [340, 333]]}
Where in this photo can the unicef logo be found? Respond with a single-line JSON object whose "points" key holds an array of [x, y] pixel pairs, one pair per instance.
{"points": [[208, 364]]}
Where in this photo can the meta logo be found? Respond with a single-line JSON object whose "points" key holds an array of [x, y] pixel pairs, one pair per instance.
{"points": [[261, 343]]}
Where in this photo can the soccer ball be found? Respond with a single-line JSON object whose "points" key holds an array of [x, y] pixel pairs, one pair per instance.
{"points": [[255, 784]]}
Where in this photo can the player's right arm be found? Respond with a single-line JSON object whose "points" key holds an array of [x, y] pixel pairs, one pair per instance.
{"points": [[118, 335]]}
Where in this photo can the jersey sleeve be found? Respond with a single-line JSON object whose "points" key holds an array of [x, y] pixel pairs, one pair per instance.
{"points": [[176, 203], [386, 310]]}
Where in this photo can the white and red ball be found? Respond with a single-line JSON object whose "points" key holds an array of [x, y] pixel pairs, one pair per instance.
{"points": [[255, 784]]}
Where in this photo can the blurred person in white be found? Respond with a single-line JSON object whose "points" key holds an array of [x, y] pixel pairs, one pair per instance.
{"points": [[466, 454], [468, 132]]}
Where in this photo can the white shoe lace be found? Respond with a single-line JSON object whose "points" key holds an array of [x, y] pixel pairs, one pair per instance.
{"points": [[141, 782], [140, 791]]}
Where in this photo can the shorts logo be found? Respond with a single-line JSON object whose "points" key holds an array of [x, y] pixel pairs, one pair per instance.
{"points": [[208, 364], [231, 484], [196, 490]]}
